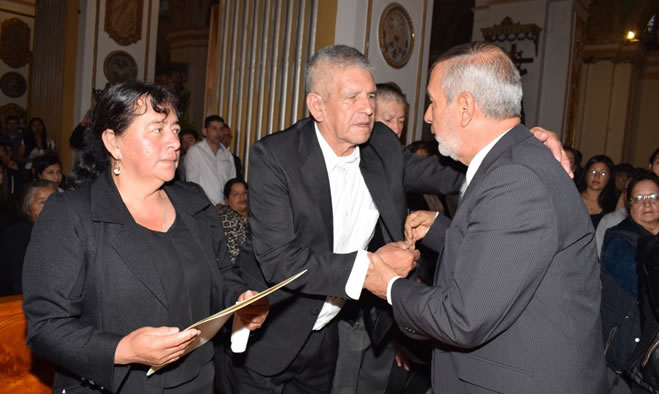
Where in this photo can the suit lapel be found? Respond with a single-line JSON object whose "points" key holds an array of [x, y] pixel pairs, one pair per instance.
{"points": [[107, 207], [377, 183], [513, 137], [313, 172], [205, 232]]}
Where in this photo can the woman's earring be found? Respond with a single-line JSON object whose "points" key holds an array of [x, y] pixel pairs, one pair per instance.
{"points": [[116, 170]]}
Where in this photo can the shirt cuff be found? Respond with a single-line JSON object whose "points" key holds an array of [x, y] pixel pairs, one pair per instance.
{"points": [[389, 285], [357, 276]]}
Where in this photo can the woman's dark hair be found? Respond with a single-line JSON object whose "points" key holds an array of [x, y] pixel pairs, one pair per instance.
{"points": [[641, 175], [607, 197], [116, 107], [43, 162], [654, 155], [31, 142], [230, 183]]}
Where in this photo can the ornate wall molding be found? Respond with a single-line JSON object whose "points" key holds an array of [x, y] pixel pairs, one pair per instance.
{"points": [[508, 30], [123, 20]]}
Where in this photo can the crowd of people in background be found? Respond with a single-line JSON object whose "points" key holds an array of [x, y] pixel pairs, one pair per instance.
{"points": [[622, 202]]}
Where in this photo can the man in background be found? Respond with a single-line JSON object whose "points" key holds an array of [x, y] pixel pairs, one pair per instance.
{"points": [[208, 163], [391, 107]]}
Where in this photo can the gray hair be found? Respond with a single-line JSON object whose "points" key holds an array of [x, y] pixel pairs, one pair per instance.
{"points": [[487, 73], [340, 56], [389, 92], [28, 199]]}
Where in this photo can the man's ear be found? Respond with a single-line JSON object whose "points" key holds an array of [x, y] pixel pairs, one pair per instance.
{"points": [[203, 131], [467, 107], [111, 142], [316, 106]]}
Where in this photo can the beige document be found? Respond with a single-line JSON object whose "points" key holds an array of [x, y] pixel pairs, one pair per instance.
{"points": [[212, 324]]}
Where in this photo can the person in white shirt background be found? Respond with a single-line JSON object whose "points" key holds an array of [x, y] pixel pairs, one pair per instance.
{"points": [[209, 163]]}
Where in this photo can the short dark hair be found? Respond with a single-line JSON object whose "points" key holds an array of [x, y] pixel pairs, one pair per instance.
{"points": [[43, 162], [116, 108], [190, 132], [577, 154], [389, 91], [230, 183], [212, 118], [622, 169], [641, 175], [654, 155]]}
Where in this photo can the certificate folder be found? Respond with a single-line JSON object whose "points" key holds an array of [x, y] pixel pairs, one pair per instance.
{"points": [[212, 324]]}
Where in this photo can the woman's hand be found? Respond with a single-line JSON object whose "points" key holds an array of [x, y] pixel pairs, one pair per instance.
{"points": [[254, 315], [154, 346]]}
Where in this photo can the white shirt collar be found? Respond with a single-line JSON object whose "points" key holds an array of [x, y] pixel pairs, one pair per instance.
{"points": [[331, 159], [478, 159]]}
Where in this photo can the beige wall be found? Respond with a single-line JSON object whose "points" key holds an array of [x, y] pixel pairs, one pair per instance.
{"points": [[645, 128], [618, 104], [357, 25]]}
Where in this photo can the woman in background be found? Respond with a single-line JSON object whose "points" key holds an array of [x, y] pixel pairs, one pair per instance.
{"points": [[49, 167], [234, 215], [36, 142], [117, 269], [597, 187]]}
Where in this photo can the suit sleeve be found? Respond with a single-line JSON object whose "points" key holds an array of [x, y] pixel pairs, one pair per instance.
{"points": [[429, 175], [54, 284], [277, 248], [507, 246]]}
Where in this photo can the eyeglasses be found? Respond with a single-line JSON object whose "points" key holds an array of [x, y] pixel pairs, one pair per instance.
{"points": [[640, 198], [595, 172]]}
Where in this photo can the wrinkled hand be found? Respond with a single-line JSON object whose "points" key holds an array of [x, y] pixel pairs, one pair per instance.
{"points": [[154, 346], [417, 225], [551, 141], [253, 315], [399, 256], [378, 276]]}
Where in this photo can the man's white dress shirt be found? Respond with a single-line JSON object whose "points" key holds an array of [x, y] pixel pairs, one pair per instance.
{"points": [[354, 218], [209, 170]]}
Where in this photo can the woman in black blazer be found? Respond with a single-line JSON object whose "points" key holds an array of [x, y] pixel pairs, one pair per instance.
{"points": [[116, 269]]}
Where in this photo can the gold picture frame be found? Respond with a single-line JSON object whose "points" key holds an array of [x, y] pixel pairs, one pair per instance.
{"points": [[396, 35]]}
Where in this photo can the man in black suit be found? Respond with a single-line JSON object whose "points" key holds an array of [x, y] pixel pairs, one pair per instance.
{"points": [[321, 191], [515, 303]]}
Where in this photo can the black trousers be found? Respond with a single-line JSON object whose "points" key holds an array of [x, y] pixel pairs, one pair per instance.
{"points": [[311, 371]]}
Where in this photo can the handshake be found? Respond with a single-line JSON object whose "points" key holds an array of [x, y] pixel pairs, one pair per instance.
{"points": [[397, 258]]}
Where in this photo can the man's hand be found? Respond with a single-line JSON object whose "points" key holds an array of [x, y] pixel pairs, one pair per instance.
{"points": [[551, 141], [154, 346], [254, 315], [417, 225], [399, 256], [378, 277]]}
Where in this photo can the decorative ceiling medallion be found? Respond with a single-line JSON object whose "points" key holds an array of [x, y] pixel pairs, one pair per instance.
{"points": [[15, 43], [13, 84], [123, 20], [396, 35]]}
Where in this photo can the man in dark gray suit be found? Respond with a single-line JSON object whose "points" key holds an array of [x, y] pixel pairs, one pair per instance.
{"points": [[515, 303]]}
